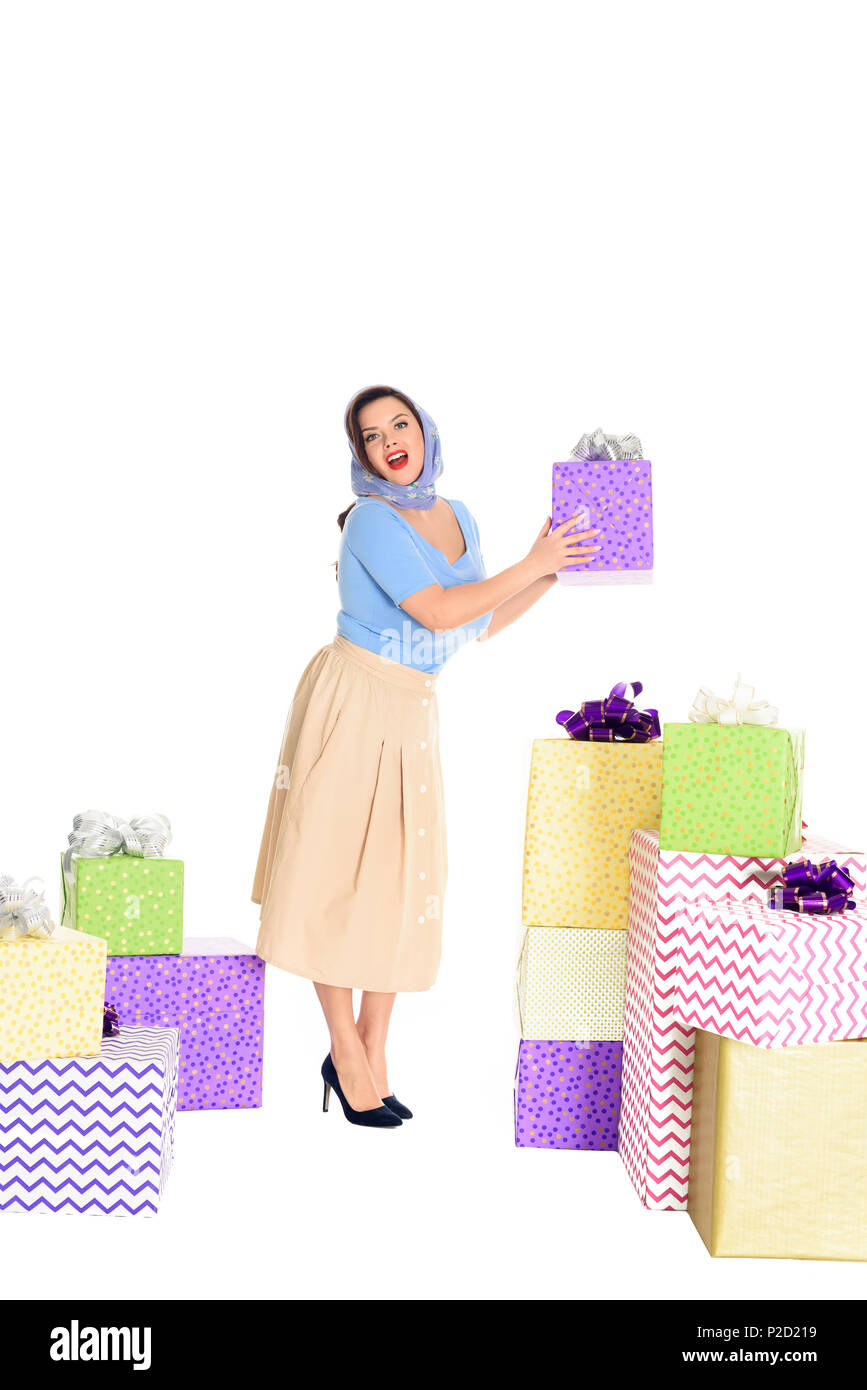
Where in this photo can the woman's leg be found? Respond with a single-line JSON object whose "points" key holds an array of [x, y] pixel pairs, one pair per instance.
{"points": [[373, 1018], [347, 1049]]}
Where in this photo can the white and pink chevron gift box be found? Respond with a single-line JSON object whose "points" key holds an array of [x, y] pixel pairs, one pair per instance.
{"points": [[658, 1029], [773, 979]]}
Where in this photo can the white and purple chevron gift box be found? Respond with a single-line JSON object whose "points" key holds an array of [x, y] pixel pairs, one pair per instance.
{"points": [[663, 969], [90, 1135]]}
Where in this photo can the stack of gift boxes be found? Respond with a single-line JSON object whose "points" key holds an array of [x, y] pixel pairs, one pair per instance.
{"points": [[87, 1107], [588, 791], [744, 1097], [86, 1122], [692, 984]]}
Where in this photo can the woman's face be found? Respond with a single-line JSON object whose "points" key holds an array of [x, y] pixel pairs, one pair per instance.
{"points": [[393, 440]]}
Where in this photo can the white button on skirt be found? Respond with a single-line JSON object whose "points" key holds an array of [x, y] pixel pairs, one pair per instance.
{"points": [[353, 864]]}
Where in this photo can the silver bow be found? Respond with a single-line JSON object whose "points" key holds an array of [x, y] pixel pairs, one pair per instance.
{"points": [[742, 708], [598, 445], [23, 910], [96, 835]]}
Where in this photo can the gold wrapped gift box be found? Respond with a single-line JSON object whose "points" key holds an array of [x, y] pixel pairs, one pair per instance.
{"points": [[778, 1157], [584, 801]]}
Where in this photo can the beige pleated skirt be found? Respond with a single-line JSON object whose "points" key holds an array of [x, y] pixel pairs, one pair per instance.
{"points": [[352, 868]]}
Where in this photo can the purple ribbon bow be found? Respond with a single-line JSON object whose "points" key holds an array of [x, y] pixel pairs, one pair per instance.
{"points": [[604, 721], [807, 887], [110, 1021]]}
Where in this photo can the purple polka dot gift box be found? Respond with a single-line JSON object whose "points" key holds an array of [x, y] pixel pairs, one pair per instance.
{"points": [[567, 1095], [214, 993], [615, 496]]}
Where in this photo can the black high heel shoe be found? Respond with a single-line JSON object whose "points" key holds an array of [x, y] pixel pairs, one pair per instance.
{"points": [[381, 1118], [397, 1108]]}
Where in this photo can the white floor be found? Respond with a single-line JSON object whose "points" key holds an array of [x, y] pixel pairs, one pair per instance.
{"points": [[287, 1202]]}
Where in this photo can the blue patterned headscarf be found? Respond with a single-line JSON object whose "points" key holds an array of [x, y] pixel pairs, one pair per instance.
{"points": [[422, 493]]}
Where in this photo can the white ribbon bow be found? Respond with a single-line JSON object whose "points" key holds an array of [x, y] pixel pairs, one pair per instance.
{"points": [[742, 708], [600, 446], [23, 910], [96, 835]]}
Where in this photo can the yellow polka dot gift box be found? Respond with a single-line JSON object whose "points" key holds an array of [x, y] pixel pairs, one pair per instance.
{"points": [[135, 905], [584, 801], [52, 994]]}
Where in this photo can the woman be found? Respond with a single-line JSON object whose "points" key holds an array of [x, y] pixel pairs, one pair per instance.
{"points": [[352, 867]]}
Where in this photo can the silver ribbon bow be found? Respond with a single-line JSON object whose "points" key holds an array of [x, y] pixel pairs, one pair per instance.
{"points": [[96, 835], [23, 910], [742, 708], [599, 445]]}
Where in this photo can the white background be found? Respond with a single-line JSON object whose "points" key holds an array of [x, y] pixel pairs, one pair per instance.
{"points": [[220, 221]]}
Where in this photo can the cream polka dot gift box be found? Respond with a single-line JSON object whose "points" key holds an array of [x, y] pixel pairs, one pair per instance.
{"points": [[572, 983], [136, 905], [583, 803], [52, 994]]}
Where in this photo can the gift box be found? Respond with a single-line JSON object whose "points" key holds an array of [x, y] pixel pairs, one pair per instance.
{"points": [[90, 1135], [567, 1095], [136, 905], [52, 993], [584, 800], [779, 1150], [732, 789], [685, 875], [571, 982], [214, 994], [615, 497], [657, 1050], [769, 978], [658, 1046]]}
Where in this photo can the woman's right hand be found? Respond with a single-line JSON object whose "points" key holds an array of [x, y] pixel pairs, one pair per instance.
{"points": [[553, 550]]}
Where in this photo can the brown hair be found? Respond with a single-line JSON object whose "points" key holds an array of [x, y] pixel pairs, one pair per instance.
{"points": [[355, 433]]}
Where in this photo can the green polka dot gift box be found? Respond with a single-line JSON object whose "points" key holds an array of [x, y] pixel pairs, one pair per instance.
{"points": [[135, 905], [732, 789]]}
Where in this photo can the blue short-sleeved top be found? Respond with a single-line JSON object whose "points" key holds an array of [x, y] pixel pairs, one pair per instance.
{"points": [[382, 561]]}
